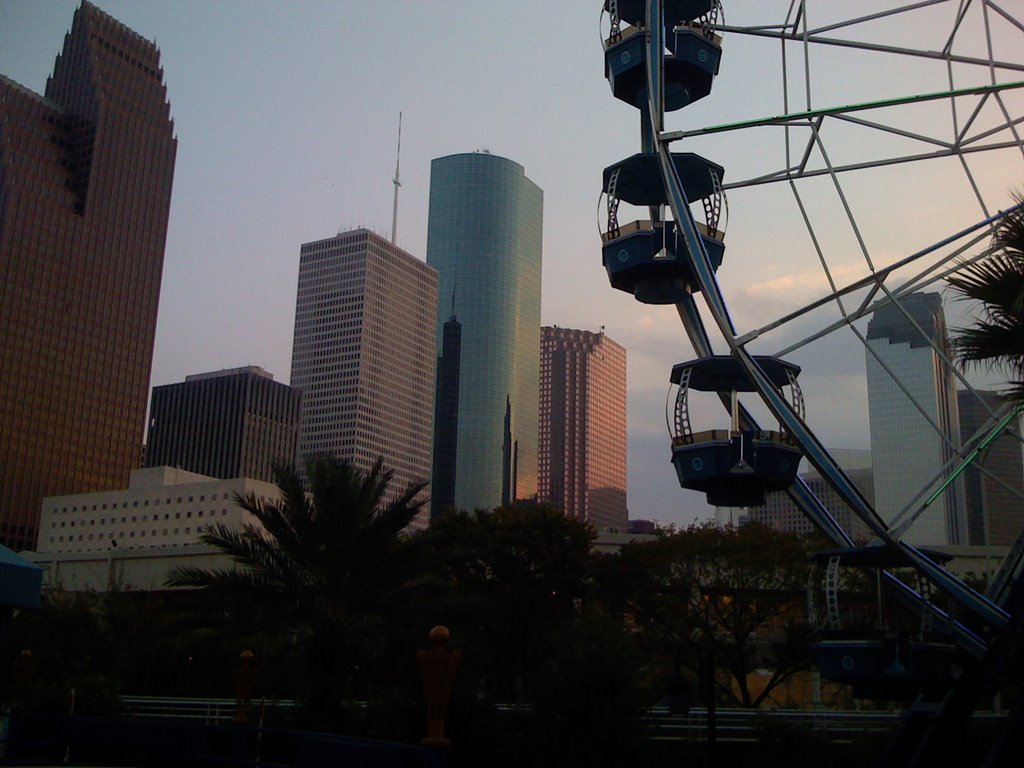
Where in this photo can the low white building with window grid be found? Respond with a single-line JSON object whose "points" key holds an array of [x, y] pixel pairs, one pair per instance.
{"points": [[162, 507], [135, 536]]}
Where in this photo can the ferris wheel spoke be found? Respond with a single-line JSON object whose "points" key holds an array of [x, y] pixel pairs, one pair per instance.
{"points": [[799, 37]]}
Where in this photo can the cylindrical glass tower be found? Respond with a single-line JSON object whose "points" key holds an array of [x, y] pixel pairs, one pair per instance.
{"points": [[484, 239]]}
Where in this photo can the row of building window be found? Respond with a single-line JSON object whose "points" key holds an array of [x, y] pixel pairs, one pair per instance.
{"points": [[145, 503]]}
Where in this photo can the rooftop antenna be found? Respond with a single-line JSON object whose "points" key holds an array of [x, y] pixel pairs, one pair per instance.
{"points": [[397, 183]]}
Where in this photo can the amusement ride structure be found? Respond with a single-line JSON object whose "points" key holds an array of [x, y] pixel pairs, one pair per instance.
{"points": [[662, 56]]}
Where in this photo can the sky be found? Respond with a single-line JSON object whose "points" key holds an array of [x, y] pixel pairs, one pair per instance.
{"points": [[286, 115]]}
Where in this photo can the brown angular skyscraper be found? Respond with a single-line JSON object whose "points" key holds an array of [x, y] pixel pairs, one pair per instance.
{"points": [[85, 189], [582, 467]]}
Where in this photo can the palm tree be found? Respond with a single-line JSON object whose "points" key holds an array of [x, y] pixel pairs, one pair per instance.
{"points": [[326, 560], [997, 281]]}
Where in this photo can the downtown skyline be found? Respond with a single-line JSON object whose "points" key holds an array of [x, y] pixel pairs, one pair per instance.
{"points": [[288, 138]]}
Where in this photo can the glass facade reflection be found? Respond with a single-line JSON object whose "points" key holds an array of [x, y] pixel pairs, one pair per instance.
{"points": [[910, 444], [994, 483], [85, 191], [484, 239]]}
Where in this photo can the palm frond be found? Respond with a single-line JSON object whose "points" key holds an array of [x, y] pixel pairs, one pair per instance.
{"points": [[996, 339]]}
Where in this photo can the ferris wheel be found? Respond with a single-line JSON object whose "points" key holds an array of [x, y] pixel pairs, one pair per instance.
{"points": [[664, 56]]}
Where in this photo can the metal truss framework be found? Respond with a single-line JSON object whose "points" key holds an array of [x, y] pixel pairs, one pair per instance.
{"points": [[993, 624]]}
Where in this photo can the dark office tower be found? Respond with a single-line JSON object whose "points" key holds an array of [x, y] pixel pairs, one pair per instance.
{"points": [[994, 483], [484, 239], [915, 428], [446, 420], [509, 458], [364, 354], [85, 188], [583, 426], [233, 423]]}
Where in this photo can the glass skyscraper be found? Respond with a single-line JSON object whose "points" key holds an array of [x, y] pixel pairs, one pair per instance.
{"points": [[913, 439], [85, 191], [484, 239], [994, 483]]}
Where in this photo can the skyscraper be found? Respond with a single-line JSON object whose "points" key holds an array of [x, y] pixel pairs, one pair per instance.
{"points": [[85, 189], [232, 423], [782, 513], [484, 238], [994, 483], [913, 439], [583, 426], [364, 354], [446, 419]]}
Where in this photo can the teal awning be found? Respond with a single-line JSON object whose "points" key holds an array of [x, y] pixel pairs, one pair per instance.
{"points": [[21, 581]]}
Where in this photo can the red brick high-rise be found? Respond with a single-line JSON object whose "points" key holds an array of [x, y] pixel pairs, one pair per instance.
{"points": [[582, 440], [85, 190]]}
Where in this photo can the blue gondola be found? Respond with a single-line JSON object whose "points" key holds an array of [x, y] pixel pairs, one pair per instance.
{"points": [[676, 11], [649, 259], [689, 68], [734, 467], [877, 664], [637, 179], [890, 668]]}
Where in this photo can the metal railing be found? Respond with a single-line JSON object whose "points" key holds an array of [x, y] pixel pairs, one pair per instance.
{"points": [[207, 711], [731, 724]]}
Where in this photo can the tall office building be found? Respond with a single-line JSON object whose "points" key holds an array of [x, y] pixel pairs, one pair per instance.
{"points": [[364, 354], [85, 189], [994, 483], [780, 512], [484, 238], [913, 439], [446, 419], [237, 422], [583, 426]]}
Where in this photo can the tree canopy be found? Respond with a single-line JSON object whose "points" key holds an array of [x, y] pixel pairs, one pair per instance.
{"points": [[733, 599]]}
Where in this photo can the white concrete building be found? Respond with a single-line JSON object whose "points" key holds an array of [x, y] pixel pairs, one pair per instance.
{"points": [[135, 536]]}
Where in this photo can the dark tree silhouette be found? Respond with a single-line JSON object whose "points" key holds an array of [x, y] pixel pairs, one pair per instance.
{"points": [[740, 592], [323, 563], [997, 281]]}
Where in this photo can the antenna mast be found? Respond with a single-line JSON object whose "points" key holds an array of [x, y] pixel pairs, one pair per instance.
{"points": [[397, 183]]}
